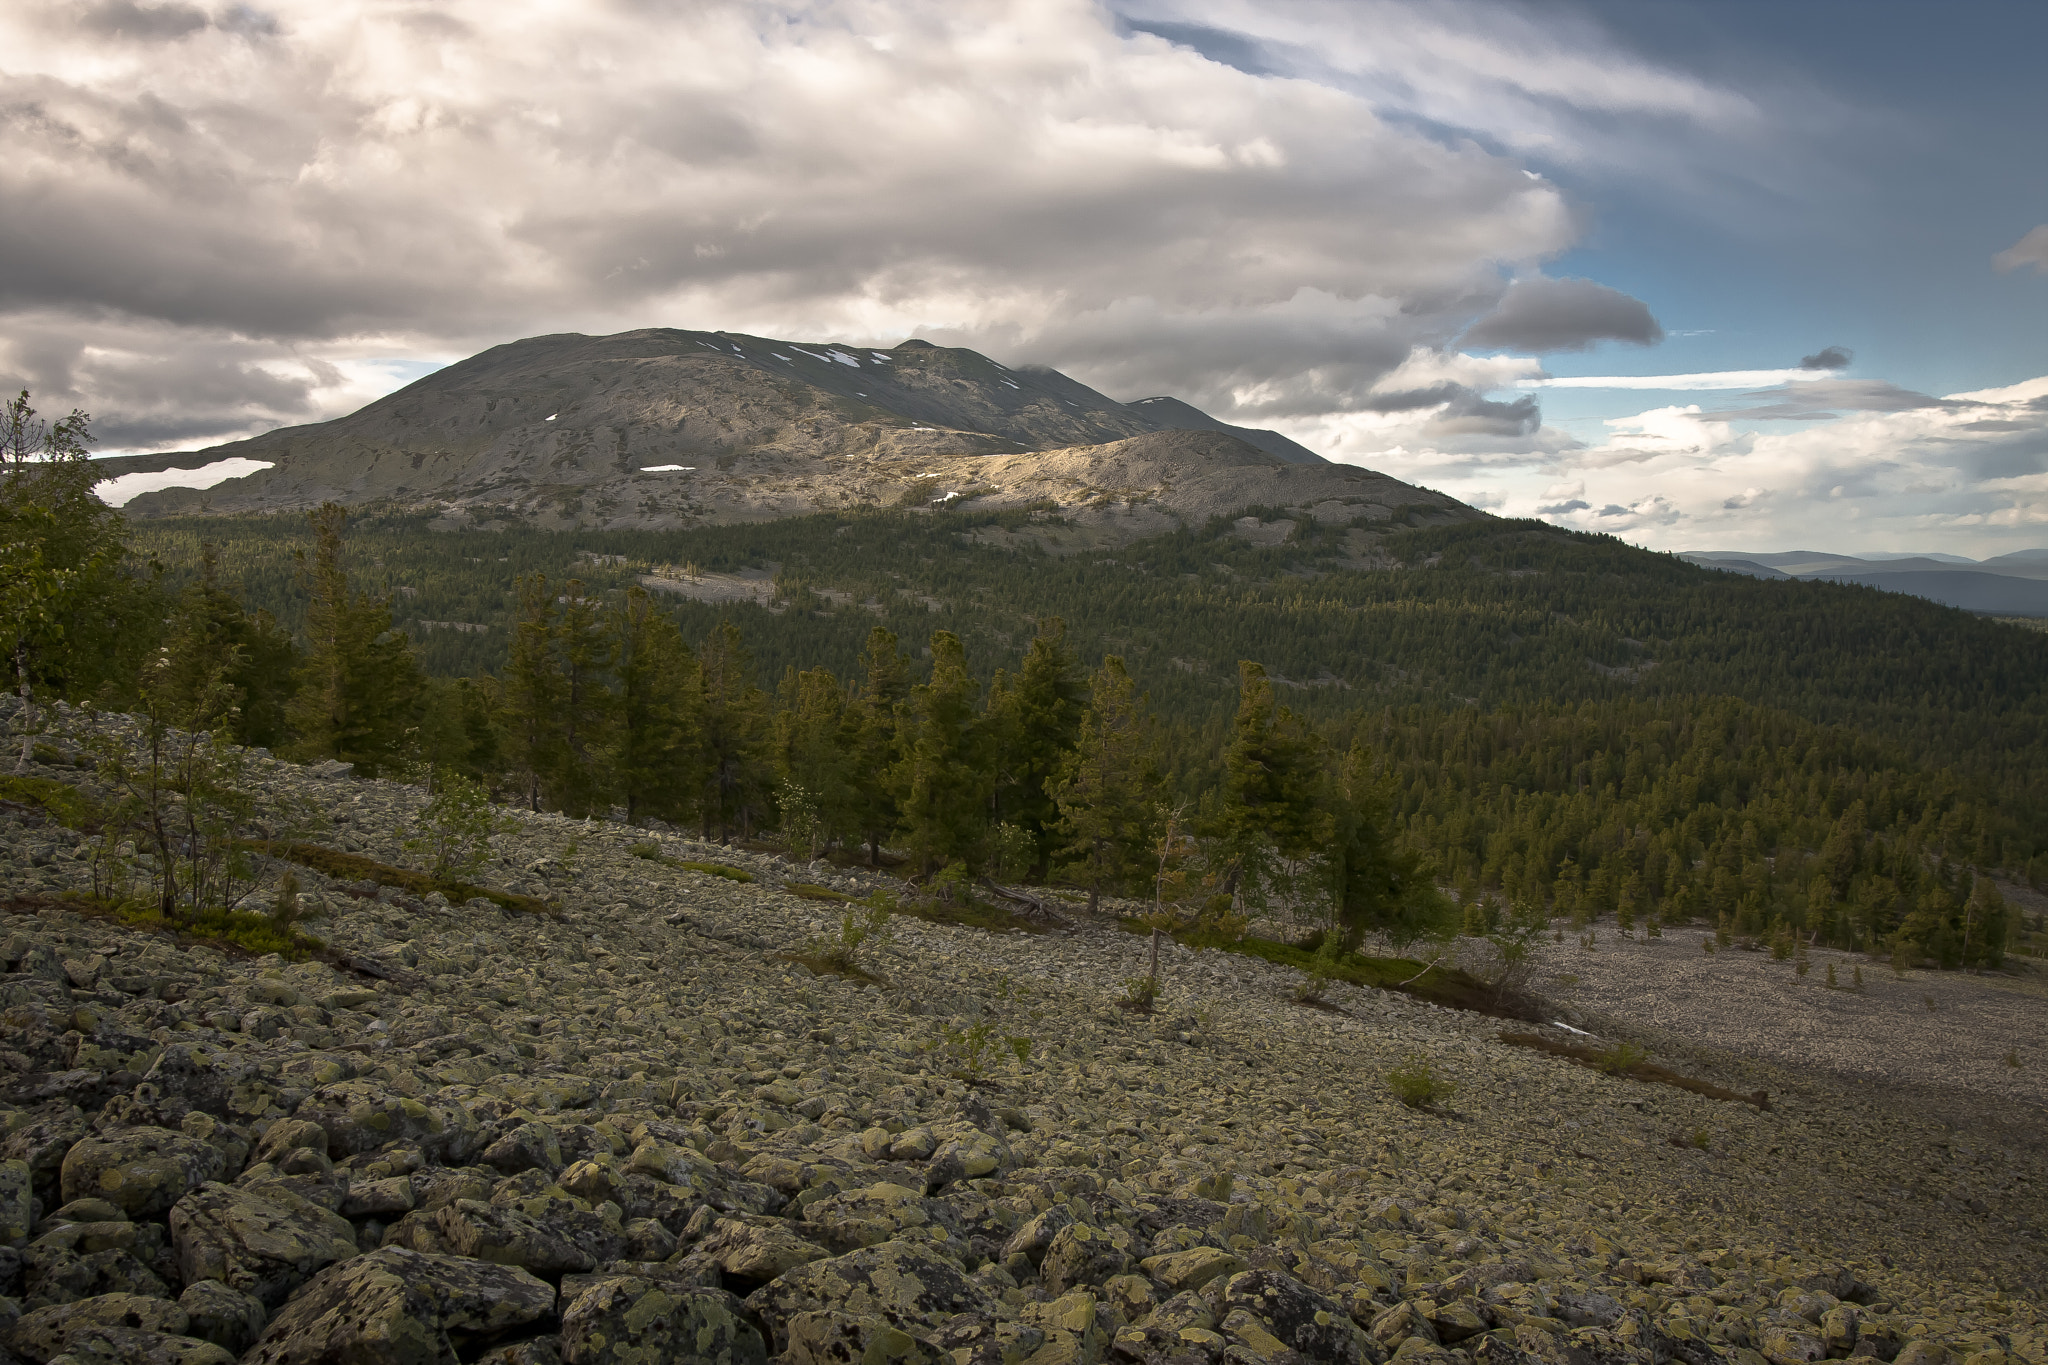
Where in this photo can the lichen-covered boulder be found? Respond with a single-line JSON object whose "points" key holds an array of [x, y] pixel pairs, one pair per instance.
{"points": [[866, 1217], [264, 1242], [1303, 1318], [528, 1147], [1191, 1269], [17, 1202], [226, 1316], [361, 1116], [901, 1284], [59, 1274], [1081, 1255], [758, 1252], [42, 1333], [567, 1240], [113, 1345], [840, 1339], [141, 1171], [1032, 1240], [398, 1307], [630, 1320]]}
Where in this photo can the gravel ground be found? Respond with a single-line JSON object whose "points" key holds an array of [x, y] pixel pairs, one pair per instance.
{"points": [[1944, 1031], [640, 1107]]}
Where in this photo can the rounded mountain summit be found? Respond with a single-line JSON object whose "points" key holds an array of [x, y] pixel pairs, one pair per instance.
{"points": [[665, 429]]}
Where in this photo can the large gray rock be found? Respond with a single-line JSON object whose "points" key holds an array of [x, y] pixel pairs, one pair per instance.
{"points": [[398, 1307], [265, 1242], [141, 1171], [58, 1274], [903, 1285], [361, 1116], [43, 1333], [867, 1217], [223, 1315], [570, 1240], [17, 1202], [630, 1320], [1303, 1318], [758, 1252], [138, 1346], [1036, 1236], [1081, 1255], [839, 1339]]}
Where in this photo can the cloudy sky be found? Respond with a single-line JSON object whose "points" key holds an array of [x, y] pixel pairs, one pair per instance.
{"points": [[1722, 274]]}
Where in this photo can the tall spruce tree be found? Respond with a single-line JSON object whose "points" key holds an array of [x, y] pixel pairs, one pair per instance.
{"points": [[534, 689], [1034, 719], [814, 736], [584, 646], [943, 779], [736, 769], [1273, 815], [360, 687], [660, 713], [876, 719], [1375, 885], [1105, 790], [213, 641]]}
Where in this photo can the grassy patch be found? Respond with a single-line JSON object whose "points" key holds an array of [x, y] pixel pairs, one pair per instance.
{"points": [[822, 964], [970, 914], [653, 854], [234, 931], [725, 870], [1418, 1084], [810, 891], [1626, 1059], [1436, 983], [355, 867], [59, 800]]}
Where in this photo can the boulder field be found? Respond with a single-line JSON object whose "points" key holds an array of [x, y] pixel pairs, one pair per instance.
{"points": [[632, 1128]]}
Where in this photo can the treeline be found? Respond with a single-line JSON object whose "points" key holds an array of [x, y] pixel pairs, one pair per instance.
{"points": [[1744, 816], [603, 707], [1484, 615]]}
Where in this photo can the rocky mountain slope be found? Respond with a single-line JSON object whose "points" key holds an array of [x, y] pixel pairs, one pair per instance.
{"points": [[665, 428], [634, 1129]]}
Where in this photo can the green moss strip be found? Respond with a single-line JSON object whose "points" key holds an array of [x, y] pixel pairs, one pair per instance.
{"points": [[652, 853], [811, 892], [355, 867], [1634, 1070], [234, 931], [1434, 982]]}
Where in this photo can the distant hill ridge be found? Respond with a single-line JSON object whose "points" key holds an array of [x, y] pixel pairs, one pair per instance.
{"points": [[664, 428], [2013, 584]]}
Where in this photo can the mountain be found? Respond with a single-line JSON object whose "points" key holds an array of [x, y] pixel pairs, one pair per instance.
{"points": [[2014, 584], [1171, 412], [664, 429]]}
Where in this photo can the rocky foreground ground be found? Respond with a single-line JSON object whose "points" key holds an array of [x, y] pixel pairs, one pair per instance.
{"points": [[635, 1131]]}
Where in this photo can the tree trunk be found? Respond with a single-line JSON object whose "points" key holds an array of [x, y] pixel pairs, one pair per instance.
{"points": [[28, 706]]}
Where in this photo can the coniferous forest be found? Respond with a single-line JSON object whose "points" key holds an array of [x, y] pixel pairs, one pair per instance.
{"points": [[1391, 728]]}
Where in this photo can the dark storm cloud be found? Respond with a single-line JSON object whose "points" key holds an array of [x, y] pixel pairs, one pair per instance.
{"points": [[1828, 358], [1558, 509], [1539, 314]]}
